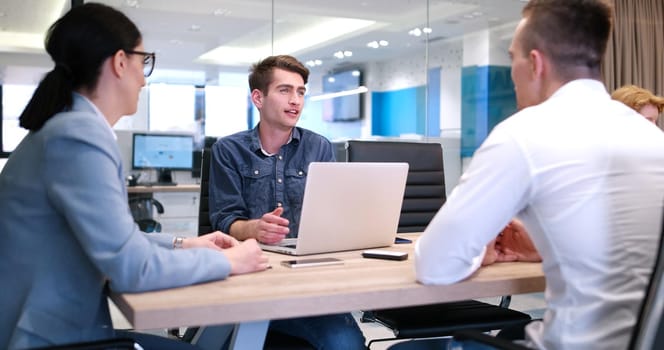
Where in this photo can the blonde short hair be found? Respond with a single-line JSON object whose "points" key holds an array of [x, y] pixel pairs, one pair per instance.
{"points": [[636, 97]]}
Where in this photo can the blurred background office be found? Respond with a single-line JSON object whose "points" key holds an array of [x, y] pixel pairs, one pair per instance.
{"points": [[430, 70]]}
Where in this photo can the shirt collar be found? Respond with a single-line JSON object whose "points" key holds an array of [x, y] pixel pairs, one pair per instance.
{"points": [[256, 140]]}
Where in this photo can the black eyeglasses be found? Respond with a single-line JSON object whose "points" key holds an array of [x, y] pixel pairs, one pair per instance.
{"points": [[148, 61]]}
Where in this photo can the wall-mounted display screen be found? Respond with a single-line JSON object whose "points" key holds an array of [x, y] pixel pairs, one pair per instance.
{"points": [[348, 104]]}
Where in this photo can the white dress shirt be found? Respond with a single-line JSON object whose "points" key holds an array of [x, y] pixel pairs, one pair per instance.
{"points": [[585, 174]]}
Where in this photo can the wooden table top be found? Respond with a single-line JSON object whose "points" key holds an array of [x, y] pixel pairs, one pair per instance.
{"points": [[282, 292]]}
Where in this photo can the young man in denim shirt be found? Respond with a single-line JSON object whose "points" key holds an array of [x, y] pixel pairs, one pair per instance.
{"points": [[257, 180]]}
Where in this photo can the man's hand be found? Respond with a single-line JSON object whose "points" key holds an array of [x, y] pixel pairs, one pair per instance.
{"points": [[491, 255], [271, 228], [514, 244], [246, 257], [215, 240]]}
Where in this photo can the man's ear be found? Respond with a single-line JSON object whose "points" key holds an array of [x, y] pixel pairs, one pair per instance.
{"points": [[257, 98], [537, 63]]}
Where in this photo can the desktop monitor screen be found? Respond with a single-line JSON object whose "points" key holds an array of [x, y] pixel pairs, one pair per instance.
{"points": [[164, 152]]}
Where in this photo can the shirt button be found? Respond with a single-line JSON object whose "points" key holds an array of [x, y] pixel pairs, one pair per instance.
{"points": [[279, 180], [255, 172], [279, 204], [280, 157], [300, 173]]}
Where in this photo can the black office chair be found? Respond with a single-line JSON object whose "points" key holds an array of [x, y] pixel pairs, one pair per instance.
{"points": [[273, 340], [424, 195], [141, 208], [648, 332], [204, 225], [110, 344]]}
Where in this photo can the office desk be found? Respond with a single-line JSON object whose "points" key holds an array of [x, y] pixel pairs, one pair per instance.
{"points": [[281, 292], [176, 188]]}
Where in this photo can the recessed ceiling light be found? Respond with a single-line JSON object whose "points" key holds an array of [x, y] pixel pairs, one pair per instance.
{"points": [[314, 63], [427, 30], [383, 43], [222, 12], [374, 44], [415, 32], [195, 28], [348, 53]]}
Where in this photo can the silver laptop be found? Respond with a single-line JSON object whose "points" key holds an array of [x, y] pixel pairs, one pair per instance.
{"points": [[348, 206]]}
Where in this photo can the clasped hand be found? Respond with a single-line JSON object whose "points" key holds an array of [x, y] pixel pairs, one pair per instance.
{"points": [[512, 244], [244, 257]]}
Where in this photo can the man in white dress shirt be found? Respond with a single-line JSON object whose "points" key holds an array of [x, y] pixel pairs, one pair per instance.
{"points": [[583, 173]]}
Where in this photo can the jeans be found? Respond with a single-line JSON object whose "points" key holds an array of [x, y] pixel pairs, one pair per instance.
{"points": [[328, 332]]}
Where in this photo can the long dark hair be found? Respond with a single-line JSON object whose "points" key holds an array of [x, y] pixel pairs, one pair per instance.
{"points": [[78, 43]]}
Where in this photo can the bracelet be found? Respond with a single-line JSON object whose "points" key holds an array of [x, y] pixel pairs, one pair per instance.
{"points": [[177, 242]]}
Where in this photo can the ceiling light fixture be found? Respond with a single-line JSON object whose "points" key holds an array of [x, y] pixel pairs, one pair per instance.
{"points": [[376, 44], [358, 90], [222, 12], [415, 32], [314, 63]]}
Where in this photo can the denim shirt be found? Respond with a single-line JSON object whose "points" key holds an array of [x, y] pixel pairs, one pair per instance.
{"points": [[245, 183]]}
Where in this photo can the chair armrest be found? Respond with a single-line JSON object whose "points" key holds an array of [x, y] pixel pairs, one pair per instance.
{"points": [[107, 344]]}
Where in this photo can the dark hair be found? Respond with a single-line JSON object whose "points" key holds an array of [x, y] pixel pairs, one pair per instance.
{"points": [[78, 43], [261, 72], [573, 33]]}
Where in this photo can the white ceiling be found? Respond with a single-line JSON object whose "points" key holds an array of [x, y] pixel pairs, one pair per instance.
{"points": [[181, 31]]}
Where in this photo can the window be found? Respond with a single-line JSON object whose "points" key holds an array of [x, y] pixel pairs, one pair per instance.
{"points": [[14, 99], [172, 108]]}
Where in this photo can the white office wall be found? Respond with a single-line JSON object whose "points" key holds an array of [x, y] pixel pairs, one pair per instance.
{"points": [[225, 110], [138, 120]]}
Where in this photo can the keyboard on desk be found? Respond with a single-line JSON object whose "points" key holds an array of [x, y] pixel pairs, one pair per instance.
{"points": [[154, 184]]}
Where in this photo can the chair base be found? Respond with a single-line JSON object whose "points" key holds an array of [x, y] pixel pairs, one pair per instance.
{"points": [[439, 320]]}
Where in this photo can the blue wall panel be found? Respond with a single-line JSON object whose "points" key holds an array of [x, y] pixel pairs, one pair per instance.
{"points": [[488, 97], [398, 112], [433, 101]]}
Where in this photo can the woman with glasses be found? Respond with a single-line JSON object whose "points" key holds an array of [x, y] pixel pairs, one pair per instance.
{"points": [[65, 224]]}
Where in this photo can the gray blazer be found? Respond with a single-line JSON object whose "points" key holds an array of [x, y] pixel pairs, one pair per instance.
{"points": [[66, 230]]}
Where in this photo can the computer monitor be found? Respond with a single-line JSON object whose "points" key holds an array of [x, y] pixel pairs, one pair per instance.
{"points": [[162, 152]]}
